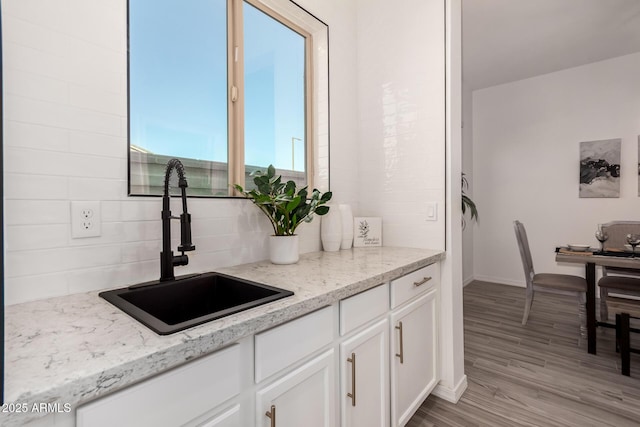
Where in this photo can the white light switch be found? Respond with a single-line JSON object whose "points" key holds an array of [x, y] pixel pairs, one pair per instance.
{"points": [[432, 211]]}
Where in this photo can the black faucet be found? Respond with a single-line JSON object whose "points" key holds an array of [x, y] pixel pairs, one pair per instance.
{"points": [[167, 259]]}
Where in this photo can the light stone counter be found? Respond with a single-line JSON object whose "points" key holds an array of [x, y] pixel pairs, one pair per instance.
{"points": [[71, 349]]}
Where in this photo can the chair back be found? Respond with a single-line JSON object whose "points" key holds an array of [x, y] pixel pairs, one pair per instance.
{"points": [[617, 231], [525, 253]]}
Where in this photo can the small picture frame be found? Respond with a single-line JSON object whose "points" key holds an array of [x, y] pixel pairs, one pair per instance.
{"points": [[367, 231]]}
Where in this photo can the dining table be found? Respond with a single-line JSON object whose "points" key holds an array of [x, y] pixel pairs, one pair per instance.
{"points": [[590, 258]]}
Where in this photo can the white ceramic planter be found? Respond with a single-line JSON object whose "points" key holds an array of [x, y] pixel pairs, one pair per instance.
{"points": [[347, 226], [284, 249], [331, 230]]}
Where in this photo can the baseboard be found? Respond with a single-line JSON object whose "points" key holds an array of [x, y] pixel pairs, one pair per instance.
{"points": [[451, 394], [501, 281], [468, 280]]}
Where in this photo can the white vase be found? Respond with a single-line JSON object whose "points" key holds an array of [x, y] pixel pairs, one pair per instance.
{"points": [[331, 230], [347, 226], [284, 249]]}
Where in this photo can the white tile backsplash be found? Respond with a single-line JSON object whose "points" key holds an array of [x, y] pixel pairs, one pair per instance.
{"points": [[35, 111], [30, 135], [84, 188], [21, 212], [35, 187], [97, 100], [20, 264], [32, 85], [97, 145], [41, 236], [35, 286]]}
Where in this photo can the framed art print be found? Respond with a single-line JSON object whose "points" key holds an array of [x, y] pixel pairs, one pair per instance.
{"points": [[367, 231], [600, 168]]}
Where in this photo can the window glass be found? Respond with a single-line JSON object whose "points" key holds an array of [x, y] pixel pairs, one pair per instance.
{"points": [[274, 84], [177, 92]]}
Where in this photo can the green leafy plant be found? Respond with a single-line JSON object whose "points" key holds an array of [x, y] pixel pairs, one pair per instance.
{"points": [[285, 207], [467, 203]]}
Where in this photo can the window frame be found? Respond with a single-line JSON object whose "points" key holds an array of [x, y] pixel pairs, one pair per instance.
{"points": [[236, 168]]}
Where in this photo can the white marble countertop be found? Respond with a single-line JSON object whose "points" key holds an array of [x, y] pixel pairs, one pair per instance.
{"points": [[70, 349]]}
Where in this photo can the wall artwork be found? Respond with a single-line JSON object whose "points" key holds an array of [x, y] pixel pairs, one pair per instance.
{"points": [[367, 231], [600, 168]]}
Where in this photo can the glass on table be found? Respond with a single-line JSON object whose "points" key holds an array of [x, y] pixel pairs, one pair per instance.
{"points": [[633, 240], [602, 236]]}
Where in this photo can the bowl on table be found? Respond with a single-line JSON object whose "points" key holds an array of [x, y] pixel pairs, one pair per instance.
{"points": [[578, 248]]}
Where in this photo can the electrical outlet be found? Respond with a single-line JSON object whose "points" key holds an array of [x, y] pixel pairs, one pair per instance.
{"points": [[85, 219]]}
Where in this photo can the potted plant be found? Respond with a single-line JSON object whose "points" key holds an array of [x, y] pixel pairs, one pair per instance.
{"points": [[467, 203], [286, 209]]}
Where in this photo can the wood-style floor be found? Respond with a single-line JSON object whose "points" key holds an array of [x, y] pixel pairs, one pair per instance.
{"points": [[535, 375]]}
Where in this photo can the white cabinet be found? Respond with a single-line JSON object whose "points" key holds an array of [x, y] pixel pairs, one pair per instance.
{"points": [[175, 397], [364, 377], [228, 418], [414, 355], [303, 397]]}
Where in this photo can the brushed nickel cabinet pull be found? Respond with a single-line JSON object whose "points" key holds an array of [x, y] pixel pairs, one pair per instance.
{"points": [[401, 354], [272, 415], [422, 282], [352, 395]]}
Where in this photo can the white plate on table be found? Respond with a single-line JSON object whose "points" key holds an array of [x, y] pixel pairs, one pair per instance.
{"points": [[578, 248]]}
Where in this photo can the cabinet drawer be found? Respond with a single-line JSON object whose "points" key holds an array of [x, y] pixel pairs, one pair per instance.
{"points": [[359, 309], [286, 344], [172, 398], [413, 284]]}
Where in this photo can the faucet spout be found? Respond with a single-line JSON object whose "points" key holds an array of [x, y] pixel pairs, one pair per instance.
{"points": [[167, 259]]}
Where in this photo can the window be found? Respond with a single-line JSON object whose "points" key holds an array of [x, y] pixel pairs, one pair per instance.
{"points": [[227, 86]]}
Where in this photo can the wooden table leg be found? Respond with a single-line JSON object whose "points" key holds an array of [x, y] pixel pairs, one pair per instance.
{"points": [[590, 275]]}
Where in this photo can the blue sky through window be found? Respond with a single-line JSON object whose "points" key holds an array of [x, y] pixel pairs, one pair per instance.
{"points": [[178, 83], [274, 86]]}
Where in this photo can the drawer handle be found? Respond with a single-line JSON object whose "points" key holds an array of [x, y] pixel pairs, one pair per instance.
{"points": [[352, 395], [422, 282], [272, 415], [401, 354]]}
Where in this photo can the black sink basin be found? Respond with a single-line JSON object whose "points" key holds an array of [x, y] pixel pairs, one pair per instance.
{"points": [[168, 307]]}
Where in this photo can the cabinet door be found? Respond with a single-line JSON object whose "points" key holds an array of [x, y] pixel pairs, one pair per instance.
{"points": [[364, 377], [304, 397], [229, 418], [413, 354]]}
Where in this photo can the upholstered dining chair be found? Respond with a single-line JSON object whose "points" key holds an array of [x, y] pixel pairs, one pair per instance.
{"points": [[625, 309], [564, 284], [616, 279]]}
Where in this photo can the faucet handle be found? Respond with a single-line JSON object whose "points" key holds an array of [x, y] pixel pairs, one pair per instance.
{"points": [[185, 233]]}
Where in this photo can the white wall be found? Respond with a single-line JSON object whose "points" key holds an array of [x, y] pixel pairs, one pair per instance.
{"points": [[467, 168], [526, 138], [401, 115], [65, 139]]}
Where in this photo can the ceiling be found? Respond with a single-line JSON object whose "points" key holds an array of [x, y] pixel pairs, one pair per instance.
{"points": [[508, 40]]}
